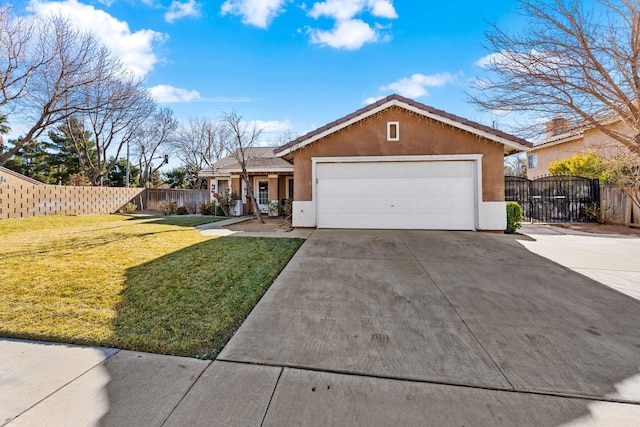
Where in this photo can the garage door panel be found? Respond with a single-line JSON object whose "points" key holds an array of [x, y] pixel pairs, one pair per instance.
{"points": [[400, 195]]}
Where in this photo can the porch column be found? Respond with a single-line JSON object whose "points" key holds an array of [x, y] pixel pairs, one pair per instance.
{"points": [[235, 183], [273, 187]]}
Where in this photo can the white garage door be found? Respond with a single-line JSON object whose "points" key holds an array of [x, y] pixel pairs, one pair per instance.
{"points": [[397, 195]]}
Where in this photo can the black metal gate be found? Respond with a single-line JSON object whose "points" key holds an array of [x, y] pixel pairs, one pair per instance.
{"points": [[555, 198]]}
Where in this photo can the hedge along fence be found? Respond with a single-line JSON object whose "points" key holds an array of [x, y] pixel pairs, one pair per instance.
{"points": [[26, 200]]}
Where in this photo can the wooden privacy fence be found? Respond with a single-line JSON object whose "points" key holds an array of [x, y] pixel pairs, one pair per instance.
{"points": [[151, 199], [27, 200], [617, 208]]}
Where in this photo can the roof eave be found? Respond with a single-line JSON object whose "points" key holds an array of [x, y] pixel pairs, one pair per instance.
{"points": [[351, 119]]}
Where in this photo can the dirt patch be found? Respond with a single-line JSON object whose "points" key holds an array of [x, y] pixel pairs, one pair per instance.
{"points": [[589, 227], [270, 224]]}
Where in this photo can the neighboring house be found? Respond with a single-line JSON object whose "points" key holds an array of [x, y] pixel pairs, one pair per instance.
{"points": [[271, 178], [400, 164], [7, 176], [562, 141]]}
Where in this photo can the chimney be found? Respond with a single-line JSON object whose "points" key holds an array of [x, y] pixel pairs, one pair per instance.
{"points": [[557, 126]]}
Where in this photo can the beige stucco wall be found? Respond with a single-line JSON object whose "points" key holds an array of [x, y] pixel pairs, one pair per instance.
{"points": [[418, 136], [13, 178], [604, 145], [547, 155], [591, 139]]}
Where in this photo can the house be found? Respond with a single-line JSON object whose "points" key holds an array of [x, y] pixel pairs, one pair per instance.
{"points": [[271, 178], [7, 176], [399, 164], [562, 141]]}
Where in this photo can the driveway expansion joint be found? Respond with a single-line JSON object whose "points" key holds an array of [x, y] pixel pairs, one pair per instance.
{"points": [[266, 411], [434, 382], [186, 392]]}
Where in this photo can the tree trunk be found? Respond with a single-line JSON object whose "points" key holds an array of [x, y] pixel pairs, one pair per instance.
{"points": [[254, 202]]}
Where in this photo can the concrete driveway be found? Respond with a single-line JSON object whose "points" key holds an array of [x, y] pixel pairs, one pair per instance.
{"points": [[469, 316], [375, 328]]}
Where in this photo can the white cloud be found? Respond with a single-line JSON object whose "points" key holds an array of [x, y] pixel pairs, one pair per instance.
{"points": [[383, 9], [135, 49], [167, 93], [346, 9], [415, 86], [337, 9], [350, 35], [372, 99], [487, 60], [273, 126], [179, 10], [521, 62], [259, 13], [348, 32]]}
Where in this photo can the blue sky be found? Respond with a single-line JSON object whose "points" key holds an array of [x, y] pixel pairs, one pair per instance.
{"points": [[295, 65]]}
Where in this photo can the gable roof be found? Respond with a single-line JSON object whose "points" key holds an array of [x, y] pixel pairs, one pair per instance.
{"points": [[512, 143], [20, 176], [259, 159], [569, 136]]}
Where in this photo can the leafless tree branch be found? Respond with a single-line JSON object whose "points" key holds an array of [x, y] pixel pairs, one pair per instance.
{"points": [[574, 59], [243, 137]]}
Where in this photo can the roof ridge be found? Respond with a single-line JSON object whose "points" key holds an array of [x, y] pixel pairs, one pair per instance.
{"points": [[413, 103]]}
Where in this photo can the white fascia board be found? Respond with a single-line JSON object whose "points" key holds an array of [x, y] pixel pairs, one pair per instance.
{"points": [[395, 102]]}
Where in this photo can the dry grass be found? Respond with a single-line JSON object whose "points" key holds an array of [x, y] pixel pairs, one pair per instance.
{"points": [[143, 284]]}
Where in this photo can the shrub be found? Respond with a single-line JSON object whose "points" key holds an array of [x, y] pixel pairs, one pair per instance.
{"points": [[168, 207], [288, 206], [587, 164], [212, 208], [273, 206], [514, 217], [128, 208], [227, 200], [182, 210], [192, 207]]}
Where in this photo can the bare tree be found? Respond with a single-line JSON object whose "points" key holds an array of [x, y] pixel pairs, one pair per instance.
{"points": [[515, 165], [243, 138], [18, 60], [114, 114], [153, 141], [48, 67], [624, 169], [574, 59], [285, 137], [201, 143]]}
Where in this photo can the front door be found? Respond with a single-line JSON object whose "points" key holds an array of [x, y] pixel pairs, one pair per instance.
{"points": [[262, 194]]}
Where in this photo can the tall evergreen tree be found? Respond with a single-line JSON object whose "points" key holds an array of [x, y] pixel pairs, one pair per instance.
{"points": [[31, 160], [65, 160], [117, 176]]}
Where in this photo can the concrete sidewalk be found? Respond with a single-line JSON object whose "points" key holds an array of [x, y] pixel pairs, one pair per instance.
{"points": [[218, 229], [56, 385]]}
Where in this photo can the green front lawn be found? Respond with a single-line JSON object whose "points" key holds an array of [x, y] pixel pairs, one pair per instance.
{"points": [[144, 284]]}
